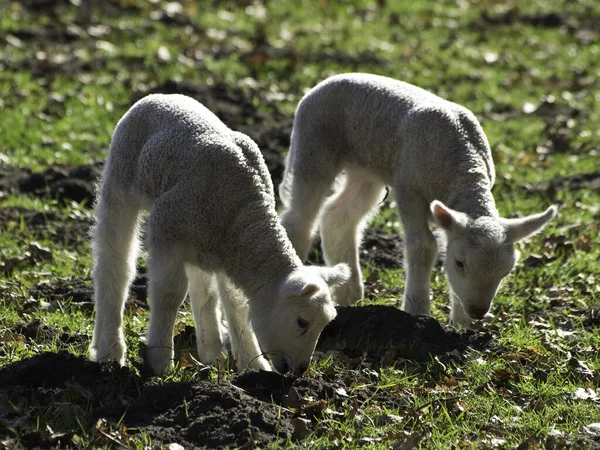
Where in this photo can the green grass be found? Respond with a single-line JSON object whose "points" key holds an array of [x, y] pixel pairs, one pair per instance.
{"points": [[60, 100]]}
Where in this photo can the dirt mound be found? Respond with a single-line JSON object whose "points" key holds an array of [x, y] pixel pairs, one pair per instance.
{"points": [[252, 409], [67, 230], [62, 183], [383, 329], [221, 415], [47, 334], [78, 290], [590, 180], [206, 414]]}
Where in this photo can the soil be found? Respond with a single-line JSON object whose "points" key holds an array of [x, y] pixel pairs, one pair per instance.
{"points": [[254, 408]]}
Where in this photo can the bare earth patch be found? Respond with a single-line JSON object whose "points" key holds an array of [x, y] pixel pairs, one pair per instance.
{"points": [[254, 408]]}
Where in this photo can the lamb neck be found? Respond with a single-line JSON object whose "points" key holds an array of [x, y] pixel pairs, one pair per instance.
{"points": [[473, 197], [264, 256]]}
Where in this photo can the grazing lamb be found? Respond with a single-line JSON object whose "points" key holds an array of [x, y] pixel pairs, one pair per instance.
{"points": [[435, 155], [213, 227]]}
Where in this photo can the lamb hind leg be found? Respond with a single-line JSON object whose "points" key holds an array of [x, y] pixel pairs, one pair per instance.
{"points": [[115, 249], [419, 256], [309, 173], [342, 224], [300, 215]]}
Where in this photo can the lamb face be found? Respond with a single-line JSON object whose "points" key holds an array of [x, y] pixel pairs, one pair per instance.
{"points": [[289, 330], [479, 254], [477, 259]]}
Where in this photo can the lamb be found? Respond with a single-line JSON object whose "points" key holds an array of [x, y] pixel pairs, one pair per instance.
{"points": [[436, 157], [213, 227]]}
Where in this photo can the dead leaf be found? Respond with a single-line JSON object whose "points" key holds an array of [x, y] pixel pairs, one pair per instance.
{"points": [[585, 394], [341, 392], [386, 419], [450, 381]]}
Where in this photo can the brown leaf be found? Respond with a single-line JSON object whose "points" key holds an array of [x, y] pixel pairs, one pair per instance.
{"points": [[450, 381]]}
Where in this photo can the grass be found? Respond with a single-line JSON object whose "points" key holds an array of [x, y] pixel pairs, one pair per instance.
{"points": [[61, 97]]}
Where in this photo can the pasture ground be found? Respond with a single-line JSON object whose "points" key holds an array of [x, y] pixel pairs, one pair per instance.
{"points": [[527, 378]]}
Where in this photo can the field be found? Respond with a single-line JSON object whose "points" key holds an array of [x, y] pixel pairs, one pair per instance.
{"points": [[528, 377]]}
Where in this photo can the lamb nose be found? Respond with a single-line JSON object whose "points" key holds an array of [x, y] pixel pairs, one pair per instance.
{"points": [[478, 312]]}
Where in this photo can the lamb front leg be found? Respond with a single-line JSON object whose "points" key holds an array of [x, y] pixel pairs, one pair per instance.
{"points": [[419, 255], [204, 298], [244, 345]]}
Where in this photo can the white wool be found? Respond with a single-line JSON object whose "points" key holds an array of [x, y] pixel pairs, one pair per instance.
{"points": [[379, 131], [212, 229]]}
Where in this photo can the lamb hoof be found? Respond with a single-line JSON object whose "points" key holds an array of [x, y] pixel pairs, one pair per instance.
{"points": [[416, 308], [159, 360], [104, 352], [258, 363], [261, 363], [349, 294], [462, 324]]}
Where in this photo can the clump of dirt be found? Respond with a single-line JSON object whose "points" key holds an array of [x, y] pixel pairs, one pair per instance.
{"points": [[69, 230], [62, 183], [514, 15], [221, 415], [379, 329], [32, 220], [81, 291], [47, 334], [78, 290]]}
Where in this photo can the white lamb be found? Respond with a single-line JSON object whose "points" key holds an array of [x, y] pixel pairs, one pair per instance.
{"points": [[212, 226], [435, 155]]}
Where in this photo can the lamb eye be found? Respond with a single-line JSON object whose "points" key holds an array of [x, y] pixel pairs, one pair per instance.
{"points": [[302, 323], [460, 264]]}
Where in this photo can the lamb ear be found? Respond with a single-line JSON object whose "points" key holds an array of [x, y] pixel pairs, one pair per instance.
{"points": [[446, 218], [336, 275], [309, 290], [300, 290], [518, 229]]}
